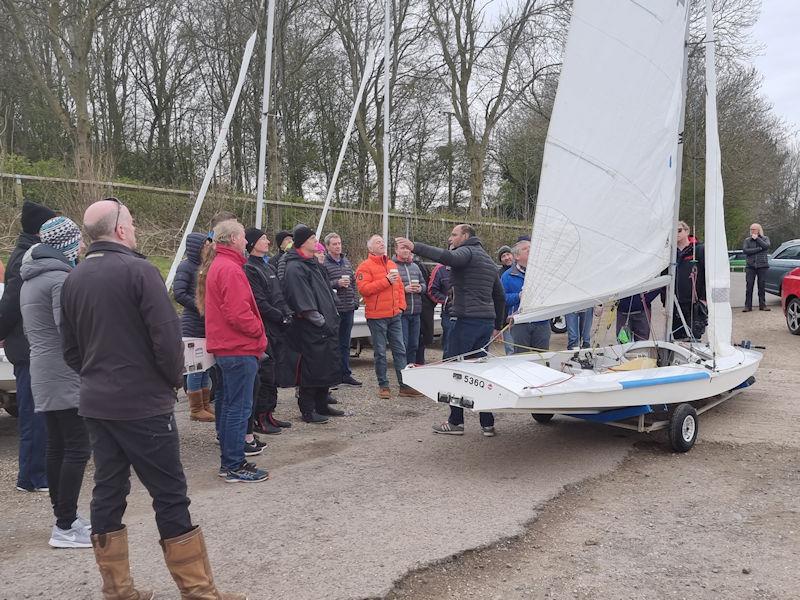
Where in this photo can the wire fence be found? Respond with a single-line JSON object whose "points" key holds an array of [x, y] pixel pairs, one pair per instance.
{"points": [[161, 214]]}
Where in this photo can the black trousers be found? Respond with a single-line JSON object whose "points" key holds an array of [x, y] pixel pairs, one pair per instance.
{"points": [[152, 448], [266, 391], [750, 276], [312, 399], [66, 457]]}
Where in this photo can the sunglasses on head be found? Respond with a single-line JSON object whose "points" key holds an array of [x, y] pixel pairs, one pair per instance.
{"points": [[119, 209]]}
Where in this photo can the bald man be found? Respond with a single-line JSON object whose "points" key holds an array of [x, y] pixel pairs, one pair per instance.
{"points": [[122, 335]]}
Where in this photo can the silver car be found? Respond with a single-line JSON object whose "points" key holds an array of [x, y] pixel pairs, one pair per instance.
{"points": [[785, 258]]}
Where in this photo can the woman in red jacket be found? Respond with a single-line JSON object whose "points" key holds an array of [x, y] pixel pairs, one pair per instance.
{"points": [[235, 335]]}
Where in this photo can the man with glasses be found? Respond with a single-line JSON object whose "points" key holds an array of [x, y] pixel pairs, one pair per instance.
{"points": [[122, 335]]}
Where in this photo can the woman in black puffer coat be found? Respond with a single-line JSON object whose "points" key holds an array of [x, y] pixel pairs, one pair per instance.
{"points": [[198, 384]]}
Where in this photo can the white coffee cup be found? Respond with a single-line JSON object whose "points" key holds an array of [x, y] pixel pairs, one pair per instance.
{"points": [[346, 278]]}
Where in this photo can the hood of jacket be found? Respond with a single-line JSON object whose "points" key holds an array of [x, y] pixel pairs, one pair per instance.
{"points": [[40, 259], [194, 246]]}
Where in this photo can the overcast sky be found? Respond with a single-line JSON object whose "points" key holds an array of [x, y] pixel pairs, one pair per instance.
{"points": [[778, 31]]}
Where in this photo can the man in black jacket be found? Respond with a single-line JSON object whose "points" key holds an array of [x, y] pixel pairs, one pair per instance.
{"points": [[479, 306], [315, 328], [31, 476], [276, 316], [122, 335]]}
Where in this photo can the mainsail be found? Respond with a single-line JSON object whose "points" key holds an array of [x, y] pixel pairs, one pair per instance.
{"points": [[604, 211], [718, 274]]}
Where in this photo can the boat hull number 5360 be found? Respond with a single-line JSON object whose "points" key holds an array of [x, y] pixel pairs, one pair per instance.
{"points": [[469, 379]]}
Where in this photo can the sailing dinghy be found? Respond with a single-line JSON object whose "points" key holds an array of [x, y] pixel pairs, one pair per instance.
{"points": [[605, 228]]}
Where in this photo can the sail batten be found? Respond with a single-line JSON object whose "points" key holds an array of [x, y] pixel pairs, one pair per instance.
{"points": [[604, 211]]}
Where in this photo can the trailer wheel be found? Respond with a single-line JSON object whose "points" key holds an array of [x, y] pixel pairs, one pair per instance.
{"points": [[542, 417], [9, 402], [683, 428], [558, 325]]}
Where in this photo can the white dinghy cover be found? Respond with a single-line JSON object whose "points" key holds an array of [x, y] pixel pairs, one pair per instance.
{"points": [[718, 273], [604, 211]]}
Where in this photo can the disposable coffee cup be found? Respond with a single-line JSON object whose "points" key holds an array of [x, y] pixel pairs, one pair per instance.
{"points": [[346, 277], [415, 282], [394, 271]]}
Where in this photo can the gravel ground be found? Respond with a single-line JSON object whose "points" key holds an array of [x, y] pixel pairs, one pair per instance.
{"points": [[356, 505]]}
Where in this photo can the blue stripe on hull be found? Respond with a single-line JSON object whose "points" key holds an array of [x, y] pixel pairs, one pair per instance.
{"points": [[638, 383], [617, 414]]}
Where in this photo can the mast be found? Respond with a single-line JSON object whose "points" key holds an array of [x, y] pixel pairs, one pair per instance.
{"points": [[262, 149], [212, 163], [670, 307], [387, 62]]}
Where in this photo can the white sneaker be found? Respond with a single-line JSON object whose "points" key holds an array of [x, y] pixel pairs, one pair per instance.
{"points": [[76, 536], [82, 522]]}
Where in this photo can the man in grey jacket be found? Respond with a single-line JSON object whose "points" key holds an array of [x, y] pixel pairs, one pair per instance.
{"points": [[54, 385], [756, 247], [479, 306], [415, 286]]}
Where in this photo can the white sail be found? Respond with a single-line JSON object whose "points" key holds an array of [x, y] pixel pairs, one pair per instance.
{"points": [[605, 206], [718, 274]]}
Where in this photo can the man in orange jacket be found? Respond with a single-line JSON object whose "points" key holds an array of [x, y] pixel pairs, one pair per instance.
{"points": [[379, 283]]}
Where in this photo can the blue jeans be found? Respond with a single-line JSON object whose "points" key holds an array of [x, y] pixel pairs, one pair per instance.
{"points": [[579, 328], [470, 334], [198, 380], [508, 341], [531, 335], [410, 325], [391, 331], [345, 329], [447, 329], [238, 379], [32, 434]]}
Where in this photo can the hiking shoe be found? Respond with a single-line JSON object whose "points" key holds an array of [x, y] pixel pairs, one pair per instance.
{"points": [[252, 449], [385, 393], [315, 417], [488, 431], [448, 428], [351, 381], [329, 411], [76, 536], [245, 475], [331, 400], [406, 391], [765, 308]]}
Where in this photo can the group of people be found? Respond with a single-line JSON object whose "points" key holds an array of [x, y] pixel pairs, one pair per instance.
{"points": [[98, 353]]}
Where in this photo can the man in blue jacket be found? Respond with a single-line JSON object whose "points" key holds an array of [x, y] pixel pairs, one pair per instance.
{"points": [[526, 336]]}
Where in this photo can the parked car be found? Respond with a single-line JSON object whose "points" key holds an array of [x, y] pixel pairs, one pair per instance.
{"points": [[790, 300], [737, 260], [783, 260]]}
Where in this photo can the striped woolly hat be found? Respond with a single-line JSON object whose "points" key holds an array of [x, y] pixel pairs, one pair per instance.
{"points": [[62, 234]]}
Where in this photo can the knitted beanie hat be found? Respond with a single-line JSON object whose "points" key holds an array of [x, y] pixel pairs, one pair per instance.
{"points": [[33, 215], [62, 234]]}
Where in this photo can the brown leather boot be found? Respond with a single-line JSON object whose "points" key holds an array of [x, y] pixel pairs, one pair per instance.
{"points": [[187, 561], [207, 401], [111, 554], [196, 412]]}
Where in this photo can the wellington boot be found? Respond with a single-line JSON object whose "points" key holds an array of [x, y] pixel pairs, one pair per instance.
{"points": [[111, 554], [196, 412], [187, 561], [207, 401]]}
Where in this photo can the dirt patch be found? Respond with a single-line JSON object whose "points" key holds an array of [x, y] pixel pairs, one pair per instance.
{"points": [[719, 522]]}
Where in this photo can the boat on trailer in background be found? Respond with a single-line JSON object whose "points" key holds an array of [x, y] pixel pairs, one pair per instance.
{"points": [[605, 228]]}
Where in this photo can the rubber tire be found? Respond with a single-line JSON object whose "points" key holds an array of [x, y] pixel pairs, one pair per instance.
{"points": [[793, 306], [558, 325], [676, 422], [10, 402], [542, 418]]}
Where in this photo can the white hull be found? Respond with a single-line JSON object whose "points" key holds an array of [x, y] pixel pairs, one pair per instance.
{"points": [[552, 382]]}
